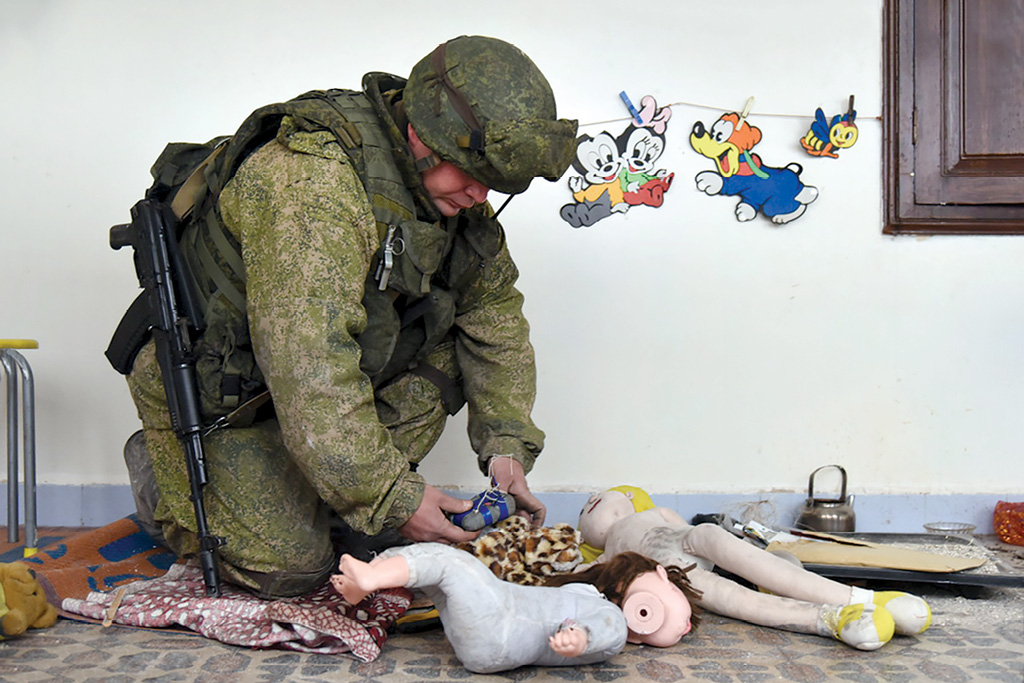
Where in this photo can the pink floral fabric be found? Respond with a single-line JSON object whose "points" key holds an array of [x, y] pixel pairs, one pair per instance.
{"points": [[320, 621]]}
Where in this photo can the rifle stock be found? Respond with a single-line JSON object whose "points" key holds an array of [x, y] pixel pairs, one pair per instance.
{"points": [[168, 314]]}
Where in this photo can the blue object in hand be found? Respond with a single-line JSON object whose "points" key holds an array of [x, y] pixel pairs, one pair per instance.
{"points": [[489, 507]]}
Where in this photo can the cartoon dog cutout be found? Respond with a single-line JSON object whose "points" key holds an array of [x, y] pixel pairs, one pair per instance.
{"points": [[775, 192]]}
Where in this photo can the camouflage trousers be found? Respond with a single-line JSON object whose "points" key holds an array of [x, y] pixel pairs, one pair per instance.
{"points": [[278, 530]]}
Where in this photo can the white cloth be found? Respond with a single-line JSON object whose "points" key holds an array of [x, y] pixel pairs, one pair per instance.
{"points": [[494, 625]]}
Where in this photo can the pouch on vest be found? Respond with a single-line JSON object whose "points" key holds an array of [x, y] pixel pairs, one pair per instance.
{"points": [[419, 248], [377, 342]]}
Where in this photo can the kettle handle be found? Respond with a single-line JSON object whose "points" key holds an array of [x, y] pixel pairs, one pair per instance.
{"points": [[842, 472]]}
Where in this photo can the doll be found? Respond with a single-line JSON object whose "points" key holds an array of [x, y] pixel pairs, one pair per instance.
{"points": [[494, 625], [625, 518]]}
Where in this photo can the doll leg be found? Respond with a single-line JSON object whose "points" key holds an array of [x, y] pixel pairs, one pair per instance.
{"points": [[730, 599], [474, 605], [470, 600], [445, 574], [860, 626], [911, 614], [762, 568], [358, 579]]}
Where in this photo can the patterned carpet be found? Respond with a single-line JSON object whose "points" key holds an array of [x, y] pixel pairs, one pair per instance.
{"points": [[977, 635], [972, 639]]}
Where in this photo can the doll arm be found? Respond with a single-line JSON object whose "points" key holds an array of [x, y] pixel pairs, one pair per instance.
{"points": [[600, 622], [671, 516], [570, 640]]}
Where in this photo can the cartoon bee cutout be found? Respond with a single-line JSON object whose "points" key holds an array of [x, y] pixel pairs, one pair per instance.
{"points": [[826, 138]]}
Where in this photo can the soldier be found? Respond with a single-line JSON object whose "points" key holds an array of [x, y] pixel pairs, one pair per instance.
{"points": [[347, 262]]}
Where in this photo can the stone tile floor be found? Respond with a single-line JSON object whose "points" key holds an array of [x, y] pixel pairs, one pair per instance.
{"points": [[977, 635]]}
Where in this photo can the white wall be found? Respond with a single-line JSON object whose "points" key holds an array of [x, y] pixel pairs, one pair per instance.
{"points": [[678, 349]]}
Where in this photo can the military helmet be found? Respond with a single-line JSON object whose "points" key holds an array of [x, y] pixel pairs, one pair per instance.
{"points": [[484, 106]]}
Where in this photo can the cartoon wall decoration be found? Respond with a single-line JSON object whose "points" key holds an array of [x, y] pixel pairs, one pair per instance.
{"points": [[778, 193], [826, 138], [617, 172]]}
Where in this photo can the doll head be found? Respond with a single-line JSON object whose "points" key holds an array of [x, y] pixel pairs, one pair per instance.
{"points": [[654, 599], [657, 611], [603, 509]]}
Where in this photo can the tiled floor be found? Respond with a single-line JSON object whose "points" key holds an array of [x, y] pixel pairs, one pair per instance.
{"points": [[975, 637]]}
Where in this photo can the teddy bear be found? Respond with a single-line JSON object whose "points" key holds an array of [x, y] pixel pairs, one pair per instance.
{"points": [[517, 553], [22, 602]]}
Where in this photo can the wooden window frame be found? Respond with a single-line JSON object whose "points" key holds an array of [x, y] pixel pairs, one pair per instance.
{"points": [[925, 177]]}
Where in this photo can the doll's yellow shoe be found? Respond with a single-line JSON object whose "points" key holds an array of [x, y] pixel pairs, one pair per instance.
{"points": [[865, 627], [911, 614]]}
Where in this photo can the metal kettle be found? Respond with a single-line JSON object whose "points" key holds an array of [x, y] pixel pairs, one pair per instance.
{"points": [[827, 514]]}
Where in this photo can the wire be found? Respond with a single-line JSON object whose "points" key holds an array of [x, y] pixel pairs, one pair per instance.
{"points": [[723, 109]]}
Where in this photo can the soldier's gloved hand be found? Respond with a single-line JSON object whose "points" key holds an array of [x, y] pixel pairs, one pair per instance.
{"points": [[429, 522], [511, 478]]}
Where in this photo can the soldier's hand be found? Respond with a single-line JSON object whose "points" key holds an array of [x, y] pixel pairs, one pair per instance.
{"points": [[511, 478], [429, 522]]}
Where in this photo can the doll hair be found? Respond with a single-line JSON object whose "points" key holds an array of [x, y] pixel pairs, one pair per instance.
{"points": [[613, 577]]}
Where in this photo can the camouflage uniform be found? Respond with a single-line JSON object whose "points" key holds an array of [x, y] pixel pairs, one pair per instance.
{"points": [[337, 441]]}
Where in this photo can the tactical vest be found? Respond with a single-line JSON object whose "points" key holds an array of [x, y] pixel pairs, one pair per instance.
{"points": [[411, 290]]}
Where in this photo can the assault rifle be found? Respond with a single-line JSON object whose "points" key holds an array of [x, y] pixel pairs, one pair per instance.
{"points": [[166, 309]]}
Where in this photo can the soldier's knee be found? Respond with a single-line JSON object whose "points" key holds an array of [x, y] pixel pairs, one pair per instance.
{"points": [[283, 583]]}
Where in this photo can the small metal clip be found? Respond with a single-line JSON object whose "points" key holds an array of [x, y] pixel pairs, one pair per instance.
{"points": [[219, 423], [387, 261]]}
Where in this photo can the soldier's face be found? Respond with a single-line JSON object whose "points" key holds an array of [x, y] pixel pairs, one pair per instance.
{"points": [[451, 189]]}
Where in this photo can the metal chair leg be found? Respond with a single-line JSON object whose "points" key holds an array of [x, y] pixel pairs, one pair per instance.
{"points": [[14, 360], [12, 446]]}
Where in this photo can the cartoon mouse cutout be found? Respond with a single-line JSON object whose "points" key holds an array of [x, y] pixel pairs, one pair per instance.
{"points": [[778, 193], [619, 172]]}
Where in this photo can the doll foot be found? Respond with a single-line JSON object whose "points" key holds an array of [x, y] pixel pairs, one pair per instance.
{"points": [[911, 614], [865, 627], [352, 579], [489, 507]]}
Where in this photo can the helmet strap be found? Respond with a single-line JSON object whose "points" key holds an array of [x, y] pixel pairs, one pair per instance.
{"points": [[475, 139], [502, 207], [427, 162]]}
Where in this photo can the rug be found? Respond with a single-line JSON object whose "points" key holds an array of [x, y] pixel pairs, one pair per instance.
{"points": [[98, 560]]}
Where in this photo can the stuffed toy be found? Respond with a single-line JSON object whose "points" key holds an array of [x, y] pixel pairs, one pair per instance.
{"points": [[22, 603], [791, 598], [516, 552], [494, 625]]}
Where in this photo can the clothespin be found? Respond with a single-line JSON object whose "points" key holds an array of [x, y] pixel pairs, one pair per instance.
{"points": [[632, 110], [746, 110], [849, 111]]}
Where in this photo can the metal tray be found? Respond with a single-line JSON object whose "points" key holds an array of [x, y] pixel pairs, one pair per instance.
{"points": [[994, 572]]}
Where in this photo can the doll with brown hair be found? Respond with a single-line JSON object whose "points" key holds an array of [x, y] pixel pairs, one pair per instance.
{"points": [[625, 519], [648, 593], [494, 625]]}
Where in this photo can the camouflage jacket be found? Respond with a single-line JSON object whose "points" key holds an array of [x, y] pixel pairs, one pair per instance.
{"points": [[309, 240]]}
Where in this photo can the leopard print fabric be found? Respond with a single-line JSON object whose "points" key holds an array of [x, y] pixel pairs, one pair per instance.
{"points": [[517, 553]]}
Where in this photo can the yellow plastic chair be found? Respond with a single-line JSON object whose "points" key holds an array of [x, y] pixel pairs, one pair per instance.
{"points": [[16, 366]]}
